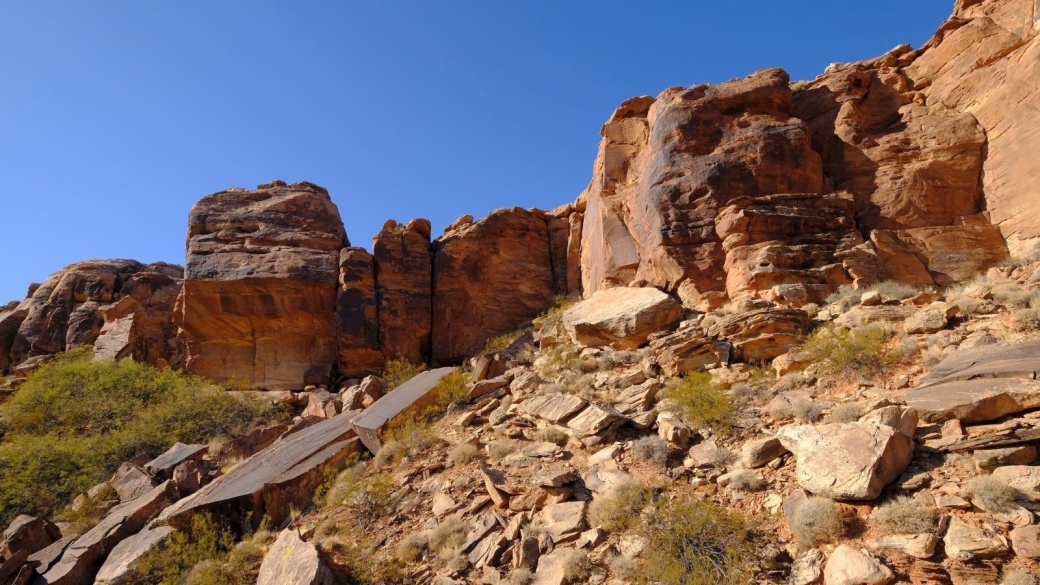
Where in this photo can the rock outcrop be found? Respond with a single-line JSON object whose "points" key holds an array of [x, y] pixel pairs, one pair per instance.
{"points": [[621, 317], [404, 274], [260, 285], [69, 310], [490, 277]]}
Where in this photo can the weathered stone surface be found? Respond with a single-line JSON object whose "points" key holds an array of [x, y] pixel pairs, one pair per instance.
{"points": [[122, 334], [66, 310], [787, 239], [759, 452], [921, 546], [555, 408], [991, 458], [562, 521], [118, 567], [405, 286], [260, 285], [28, 534], [900, 418], [357, 323], [851, 566], [1025, 540], [501, 265], [79, 561], [595, 420], [980, 383], [665, 168], [621, 317], [408, 397], [927, 320], [282, 475], [291, 561], [131, 481], [689, 349], [1022, 477], [847, 461], [174, 456], [761, 334], [966, 542], [807, 568]]}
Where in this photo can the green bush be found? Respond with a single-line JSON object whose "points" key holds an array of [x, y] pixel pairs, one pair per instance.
{"points": [[399, 371], [845, 352], [74, 421], [169, 565], [691, 541], [620, 509], [699, 402]]}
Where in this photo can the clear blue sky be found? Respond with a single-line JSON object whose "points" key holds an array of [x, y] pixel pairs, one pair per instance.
{"points": [[116, 116]]}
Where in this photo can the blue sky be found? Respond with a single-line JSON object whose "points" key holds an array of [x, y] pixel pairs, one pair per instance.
{"points": [[116, 116]]}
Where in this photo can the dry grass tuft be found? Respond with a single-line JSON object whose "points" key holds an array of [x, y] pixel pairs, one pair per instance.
{"points": [[464, 453], [992, 495], [817, 521], [904, 515], [652, 448], [620, 510]]}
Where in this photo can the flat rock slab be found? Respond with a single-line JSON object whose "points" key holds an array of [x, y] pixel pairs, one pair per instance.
{"points": [[290, 458], [1020, 360], [973, 401], [174, 456], [29, 534], [291, 561], [79, 561], [554, 408], [562, 521], [412, 395], [117, 568], [847, 461], [966, 542], [594, 420]]}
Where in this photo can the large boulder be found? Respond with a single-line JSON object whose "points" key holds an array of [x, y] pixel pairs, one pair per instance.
{"points": [[689, 349], [760, 334], [489, 278], [852, 566], [69, 308], [260, 285], [621, 317], [847, 461], [291, 561]]}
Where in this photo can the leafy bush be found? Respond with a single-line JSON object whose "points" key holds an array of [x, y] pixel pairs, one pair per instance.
{"points": [[992, 494], [845, 352], [620, 510], [74, 421], [699, 402], [398, 371], [690, 541], [816, 521], [169, 565], [904, 515]]}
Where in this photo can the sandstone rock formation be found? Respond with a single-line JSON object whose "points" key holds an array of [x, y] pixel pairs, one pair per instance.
{"points": [[490, 277], [260, 285], [405, 288], [69, 309], [621, 317]]}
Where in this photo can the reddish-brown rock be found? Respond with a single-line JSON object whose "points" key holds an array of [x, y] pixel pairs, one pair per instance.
{"points": [[492, 276], [67, 310], [259, 295], [357, 323], [405, 287], [667, 166]]}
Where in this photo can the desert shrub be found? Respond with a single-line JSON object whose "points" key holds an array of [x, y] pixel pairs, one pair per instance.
{"points": [[1012, 294], [521, 576], [992, 494], [554, 312], [891, 289], [806, 410], [620, 509], [576, 566], [366, 497], [846, 297], [761, 373], [362, 562], [846, 413], [88, 511], [240, 567], [464, 453], [652, 448], [811, 309], [404, 439], [904, 515], [1028, 319], [747, 481], [622, 567], [904, 349], [74, 421], [499, 343], [586, 365], [691, 541], [845, 352], [411, 547], [699, 402], [446, 538], [205, 540], [817, 521], [720, 457], [499, 449], [398, 371], [1019, 576], [551, 434]]}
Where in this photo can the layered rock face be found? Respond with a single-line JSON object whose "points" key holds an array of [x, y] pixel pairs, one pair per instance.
{"points": [[260, 286], [69, 310], [490, 277], [909, 167], [404, 275]]}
